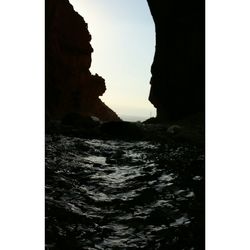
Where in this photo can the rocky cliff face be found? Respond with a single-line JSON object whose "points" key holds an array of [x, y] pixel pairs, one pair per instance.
{"points": [[70, 87], [178, 70]]}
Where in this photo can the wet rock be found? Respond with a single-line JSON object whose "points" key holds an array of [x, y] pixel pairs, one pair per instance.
{"points": [[98, 206]]}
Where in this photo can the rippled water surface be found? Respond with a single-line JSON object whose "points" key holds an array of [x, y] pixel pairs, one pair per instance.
{"points": [[123, 195]]}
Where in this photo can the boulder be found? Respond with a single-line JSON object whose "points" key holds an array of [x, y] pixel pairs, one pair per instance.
{"points": [[78, 120], [122, 130]]}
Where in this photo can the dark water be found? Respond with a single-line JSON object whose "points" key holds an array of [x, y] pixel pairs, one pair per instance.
{"points": [[123, 195]]}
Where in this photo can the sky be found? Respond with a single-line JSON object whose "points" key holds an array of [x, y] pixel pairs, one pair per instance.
{"points": [[123, 39]]}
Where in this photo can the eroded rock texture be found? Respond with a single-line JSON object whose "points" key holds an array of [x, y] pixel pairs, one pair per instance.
{"points": [[178, 70], [70, 87]]}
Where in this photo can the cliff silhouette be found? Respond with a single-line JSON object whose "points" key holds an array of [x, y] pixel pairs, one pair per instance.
{"points": [[178, 70], [69, 84]]}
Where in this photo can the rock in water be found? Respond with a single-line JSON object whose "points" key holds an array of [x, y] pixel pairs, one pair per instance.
{"points": [[173, 129]]}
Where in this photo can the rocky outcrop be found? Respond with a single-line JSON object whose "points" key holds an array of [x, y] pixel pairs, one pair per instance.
{"points": [[178, 69], [70, 87]]}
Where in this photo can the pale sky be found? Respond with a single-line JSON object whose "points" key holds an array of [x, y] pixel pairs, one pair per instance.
{"points": [[123, 40]]}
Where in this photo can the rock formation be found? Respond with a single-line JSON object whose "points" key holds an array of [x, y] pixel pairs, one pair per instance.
{"points": [[69, 85], [178, 69]]}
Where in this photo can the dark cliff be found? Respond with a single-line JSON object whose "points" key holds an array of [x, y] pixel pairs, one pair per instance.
{"points": [[178, 69], [69, 85]]}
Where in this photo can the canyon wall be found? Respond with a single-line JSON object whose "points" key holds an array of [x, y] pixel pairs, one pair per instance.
{"points": [[69, 85], [178, 69]]}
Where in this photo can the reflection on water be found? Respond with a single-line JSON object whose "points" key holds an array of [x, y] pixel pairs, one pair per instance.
{"points": [[123, 195]]}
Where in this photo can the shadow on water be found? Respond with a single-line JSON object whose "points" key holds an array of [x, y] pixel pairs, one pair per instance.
{"points": [[106, 194]]}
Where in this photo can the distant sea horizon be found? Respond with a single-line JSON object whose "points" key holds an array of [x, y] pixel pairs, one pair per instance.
{"points": [[133, 118]]}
